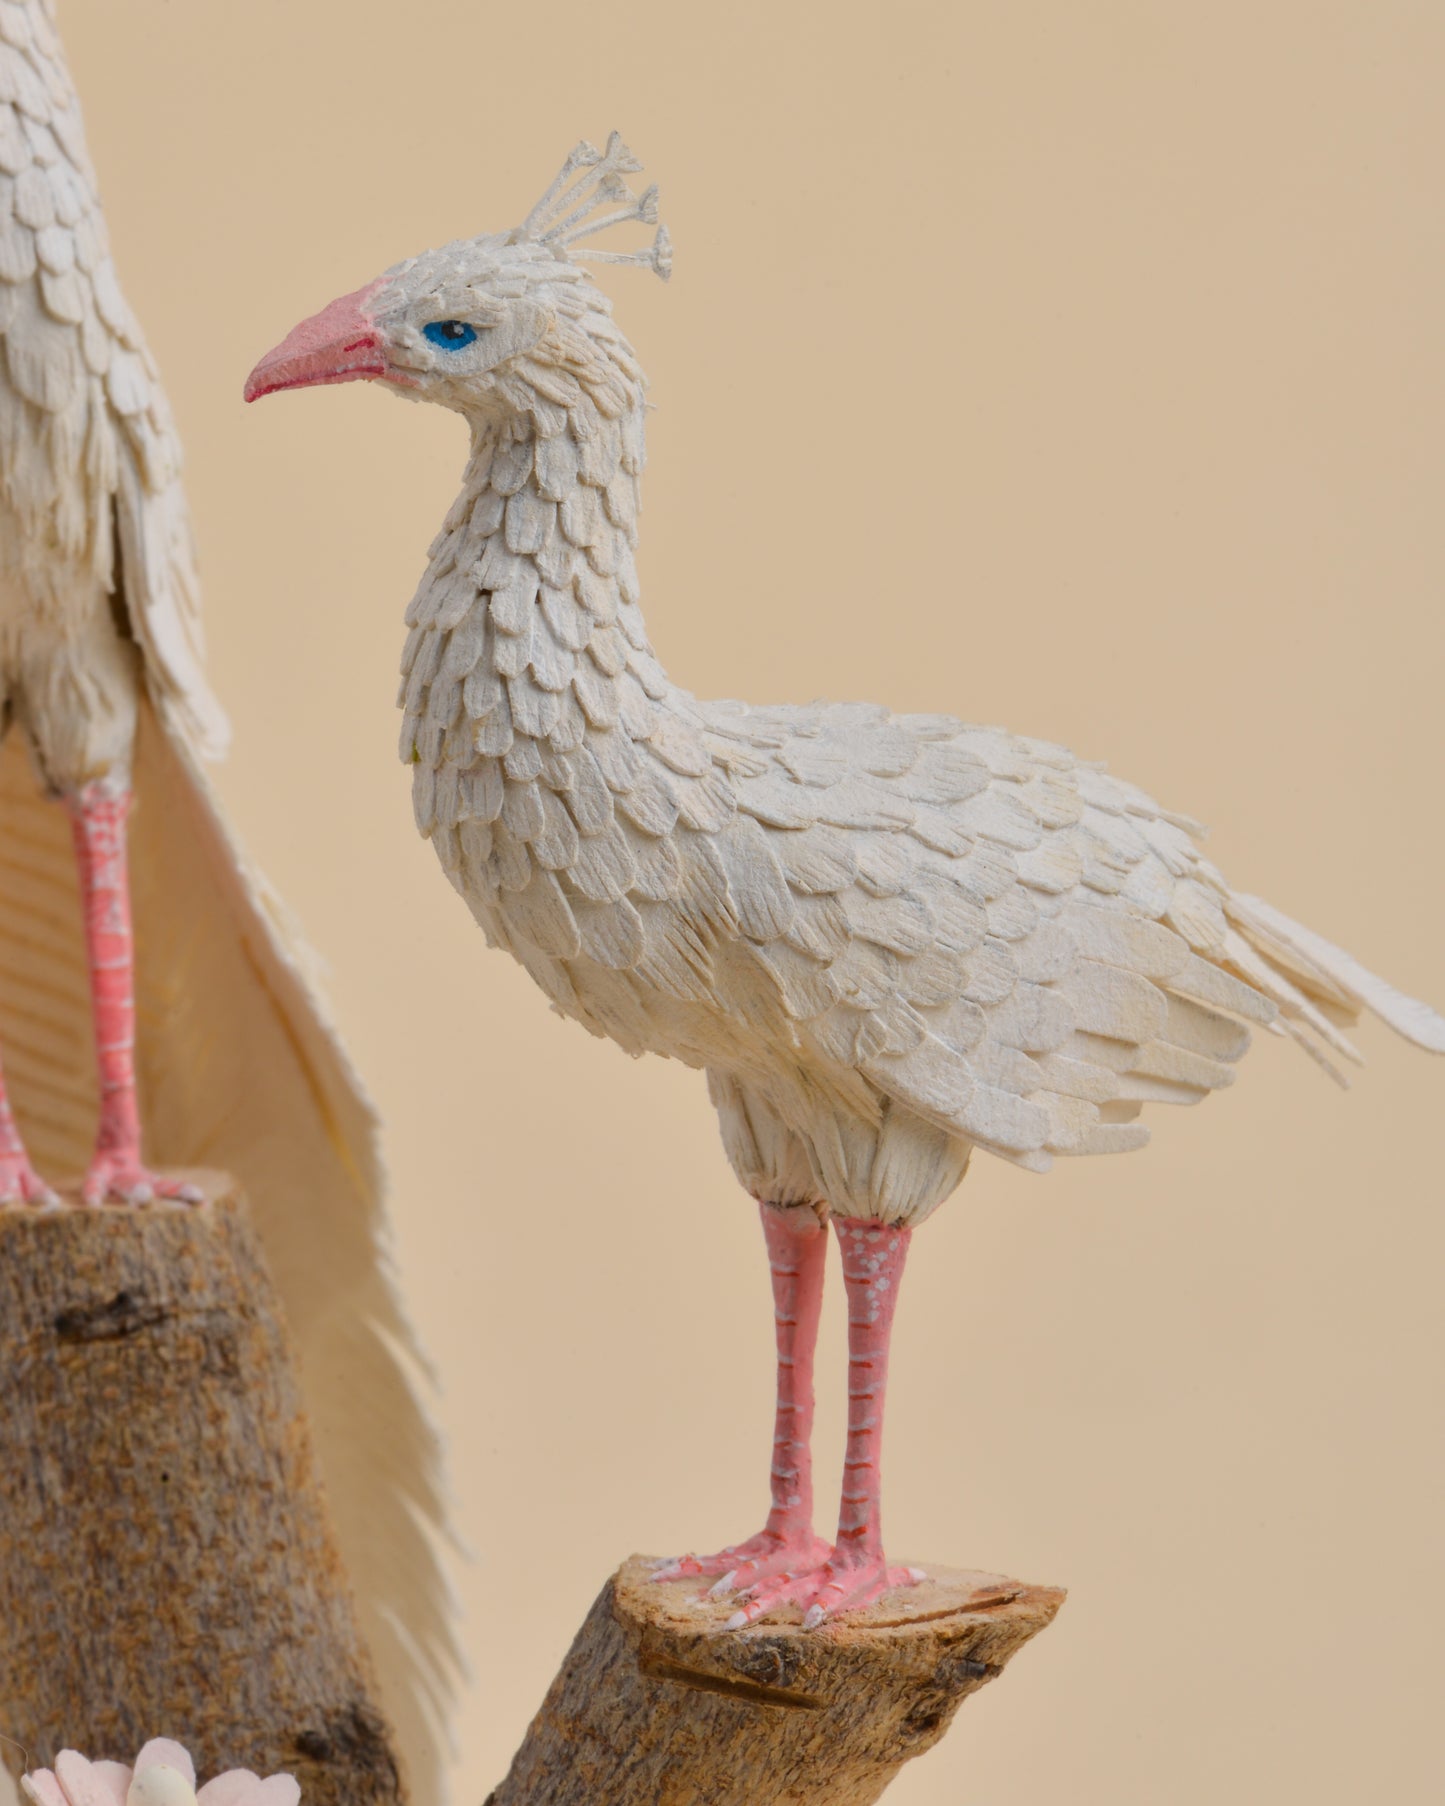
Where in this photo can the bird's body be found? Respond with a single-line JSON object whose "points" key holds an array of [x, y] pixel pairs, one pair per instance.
{"points": [[204, 1025], [889, 939]]}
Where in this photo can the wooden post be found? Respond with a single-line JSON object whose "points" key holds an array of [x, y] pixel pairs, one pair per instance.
{"points": [[656, 1706], [167, 1565]]}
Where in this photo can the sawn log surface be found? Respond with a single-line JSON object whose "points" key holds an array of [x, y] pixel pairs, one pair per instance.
{"points": [[167, 1564], [656, 1705]]}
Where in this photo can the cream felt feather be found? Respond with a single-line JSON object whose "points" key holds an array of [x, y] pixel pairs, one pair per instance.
{"points": [[238, 1065]]}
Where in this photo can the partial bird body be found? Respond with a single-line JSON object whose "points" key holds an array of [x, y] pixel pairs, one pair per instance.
{"points": [[888, 939], [206, 1021]]}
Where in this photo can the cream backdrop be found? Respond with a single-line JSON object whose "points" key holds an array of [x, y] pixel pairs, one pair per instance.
{"points": [[1076, 367]]}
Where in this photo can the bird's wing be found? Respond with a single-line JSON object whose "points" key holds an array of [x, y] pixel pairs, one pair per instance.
{"points": [[240, 1069], [1013, 944], [91, 460]]}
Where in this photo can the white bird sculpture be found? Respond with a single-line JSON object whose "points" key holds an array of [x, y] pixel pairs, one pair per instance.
{"points": [[887, 939], [236, 1062]]}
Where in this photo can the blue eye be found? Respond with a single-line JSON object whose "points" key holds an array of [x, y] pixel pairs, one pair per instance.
{"points": [[451, 335]]}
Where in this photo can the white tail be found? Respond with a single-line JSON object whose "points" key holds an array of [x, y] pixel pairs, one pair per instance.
{"points": [[1331, 977]]}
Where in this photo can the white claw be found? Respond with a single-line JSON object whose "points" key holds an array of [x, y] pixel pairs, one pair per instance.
{"points": [[813, 1617], [725, 1585], [737, 1621], [917, 1574]]}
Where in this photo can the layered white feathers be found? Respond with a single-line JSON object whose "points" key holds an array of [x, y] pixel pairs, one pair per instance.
{"points": [[889, 939], [239, 1066]]}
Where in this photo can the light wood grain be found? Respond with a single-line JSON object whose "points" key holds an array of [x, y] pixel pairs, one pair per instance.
{"points": [[167, 1562], [655, 1705]]}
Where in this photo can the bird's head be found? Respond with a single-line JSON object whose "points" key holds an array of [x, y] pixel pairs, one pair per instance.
{"points": [[492, 324]]}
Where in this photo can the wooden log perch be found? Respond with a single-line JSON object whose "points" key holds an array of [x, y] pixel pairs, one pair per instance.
{"points": [[655, 1705], [167, 1565]]}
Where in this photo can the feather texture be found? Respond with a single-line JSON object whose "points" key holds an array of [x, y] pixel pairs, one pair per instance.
{"points": [[889, 939]]}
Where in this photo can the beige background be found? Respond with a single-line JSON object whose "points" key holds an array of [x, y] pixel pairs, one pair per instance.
{"points": [[1073, 366]]}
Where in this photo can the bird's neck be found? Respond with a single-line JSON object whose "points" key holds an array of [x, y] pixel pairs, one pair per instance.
{"points": [[526, 636]]}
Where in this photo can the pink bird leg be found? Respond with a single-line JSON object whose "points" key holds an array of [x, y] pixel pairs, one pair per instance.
{"points": [[797, 1239], [19, 1181], [98, 814], [856, 1572]]}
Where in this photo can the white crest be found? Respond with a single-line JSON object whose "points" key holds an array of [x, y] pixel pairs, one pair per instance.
{"points": [[568, 212]]}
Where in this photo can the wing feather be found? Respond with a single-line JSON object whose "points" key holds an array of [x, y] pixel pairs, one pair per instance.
{"points": [[1062, 951]]}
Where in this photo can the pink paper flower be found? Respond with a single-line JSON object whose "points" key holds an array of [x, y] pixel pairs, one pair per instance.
{"points": [[164, 1775]]}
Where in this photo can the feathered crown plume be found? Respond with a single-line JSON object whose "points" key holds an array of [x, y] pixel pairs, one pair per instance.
{"points": [[567, 212]]}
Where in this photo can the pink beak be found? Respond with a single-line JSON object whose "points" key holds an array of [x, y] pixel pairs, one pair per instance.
{"points": [[341, 344]]}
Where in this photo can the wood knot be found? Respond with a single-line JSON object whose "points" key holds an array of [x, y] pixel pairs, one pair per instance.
{"points": [[772, 1662], [954, 1676], [956, 1671], [118, 1318], [353, 1739]]}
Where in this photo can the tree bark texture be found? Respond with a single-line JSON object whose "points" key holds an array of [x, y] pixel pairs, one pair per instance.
{"points": [[167, 1565], [656, 1705]]}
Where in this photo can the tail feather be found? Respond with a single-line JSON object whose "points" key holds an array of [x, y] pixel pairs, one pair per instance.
{"points": [[1296, 1009], [1318, 967]]}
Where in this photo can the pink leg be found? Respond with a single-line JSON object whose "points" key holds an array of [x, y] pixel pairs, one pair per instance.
{"points": [[797, 1241], [97, 815], [856, 1573], [19, 1181]]}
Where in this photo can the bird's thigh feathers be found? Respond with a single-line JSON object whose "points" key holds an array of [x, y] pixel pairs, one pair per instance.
{"points": [[771, 1162], [891, 1167], [73, 683]]}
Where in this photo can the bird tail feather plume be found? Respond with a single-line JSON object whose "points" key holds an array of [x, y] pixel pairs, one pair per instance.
{"points": [[588, 180], [1318, 987]]}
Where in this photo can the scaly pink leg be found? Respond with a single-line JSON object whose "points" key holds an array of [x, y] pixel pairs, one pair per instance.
{"points": [[856, 1573], [97, 815], [19, 1181], [797, 1241]]}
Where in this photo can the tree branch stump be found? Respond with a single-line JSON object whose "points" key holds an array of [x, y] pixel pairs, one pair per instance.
{"points": [[656, 1706], [167, 1565]]}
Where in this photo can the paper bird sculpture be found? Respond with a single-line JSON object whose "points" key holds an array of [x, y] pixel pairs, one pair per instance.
{"points": [[163, 1775], [887, 939], [234, 1061]]}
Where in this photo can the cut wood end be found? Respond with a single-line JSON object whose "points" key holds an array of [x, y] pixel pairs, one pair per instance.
{"points": [[671, 1708], [219, 1191], [170, 1476], [958, 1623], [945, 1596]]}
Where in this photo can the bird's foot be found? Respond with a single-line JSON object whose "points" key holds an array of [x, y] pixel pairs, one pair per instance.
{"points": [[769, 1554], [21, 1184], [840, 1584], [118, 1174]]}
